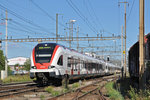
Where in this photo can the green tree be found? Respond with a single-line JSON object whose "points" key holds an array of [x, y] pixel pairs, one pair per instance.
{"points": [[27, 65], [9, 71], [2, 60]]}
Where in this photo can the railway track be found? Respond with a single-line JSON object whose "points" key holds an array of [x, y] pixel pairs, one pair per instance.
{"points": [[7, 90], [89, 92], [16, 83], [92, 89]]}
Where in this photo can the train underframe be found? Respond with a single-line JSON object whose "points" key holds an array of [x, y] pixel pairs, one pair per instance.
{"points": [[44, 78]]}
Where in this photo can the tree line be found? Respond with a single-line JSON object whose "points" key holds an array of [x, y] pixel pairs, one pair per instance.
{"points": [[26, 66]]}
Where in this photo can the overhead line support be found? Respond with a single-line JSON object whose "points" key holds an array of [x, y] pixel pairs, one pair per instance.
{"points": [[125, 66], [62, 39]]}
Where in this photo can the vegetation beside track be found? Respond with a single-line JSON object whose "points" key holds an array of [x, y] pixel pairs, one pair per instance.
{"points": [[112, 92], [51, 89], [54, 92], [123, 90], [17, 78]]}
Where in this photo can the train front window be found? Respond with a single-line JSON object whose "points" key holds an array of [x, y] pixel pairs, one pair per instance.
{"points": [[43, 53]]}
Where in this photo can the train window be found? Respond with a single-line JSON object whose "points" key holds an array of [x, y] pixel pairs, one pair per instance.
{"points": [[60, 60], [69, 62], [43, 53]]}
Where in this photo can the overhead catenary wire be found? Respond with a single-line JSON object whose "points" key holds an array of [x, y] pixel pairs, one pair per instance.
{"points": [[28, 29], [38, 27], [128, 18], [90, 14], [97, 19], [16, 28], [47, 13], [22, 18], [74, 7]]}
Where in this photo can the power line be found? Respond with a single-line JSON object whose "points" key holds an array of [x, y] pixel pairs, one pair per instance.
{"points": [[46, 13], [73, 6], [90, 14], [130, 11], [95, 14], [22, 18], [27, 28]]}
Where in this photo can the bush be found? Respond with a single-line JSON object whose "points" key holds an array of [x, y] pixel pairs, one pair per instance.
{"points": [[64, 90], [49, 89], [42, 97], [132, 93], [75, 85], [55, 93], [141, 95]]}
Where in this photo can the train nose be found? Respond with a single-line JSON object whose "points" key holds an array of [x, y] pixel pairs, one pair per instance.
{"points": [[42, 67]]}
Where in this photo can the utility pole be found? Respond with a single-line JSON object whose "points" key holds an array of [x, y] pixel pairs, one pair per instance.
{"points": [[77, 38], [71, 31], [6, 66], [56, 27], [125, 66], [141, 46], [122, 52], [125, 43]]}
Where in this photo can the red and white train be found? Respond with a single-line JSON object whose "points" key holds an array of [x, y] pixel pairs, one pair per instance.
{"points": [[51, 62]]}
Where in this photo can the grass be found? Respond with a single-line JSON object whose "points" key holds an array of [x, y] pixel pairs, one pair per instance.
{"points": [[17, 78], [138, 95], [113, 94], [54, 92], [124, 87], [75, 85], [51, 90], [42, 97]]}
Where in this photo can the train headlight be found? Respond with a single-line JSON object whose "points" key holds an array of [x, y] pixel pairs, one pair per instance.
{"points": [[49, 67], [52, 66], [33, 67]]}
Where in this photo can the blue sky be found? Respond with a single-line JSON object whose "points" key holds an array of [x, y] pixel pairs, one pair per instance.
{"points": [[36, 18]]}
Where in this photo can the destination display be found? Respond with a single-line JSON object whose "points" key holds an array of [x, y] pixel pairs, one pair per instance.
{"points": [[44, 47]]}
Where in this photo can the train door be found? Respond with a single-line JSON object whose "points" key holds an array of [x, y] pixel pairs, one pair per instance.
{"points": [[75, 66], [86, 67], [82, 67], [106, 68], [69, 66], [65, 61], [60, 64]]}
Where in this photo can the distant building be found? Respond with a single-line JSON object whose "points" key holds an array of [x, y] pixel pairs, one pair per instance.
{"points": [[18, 60]]}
